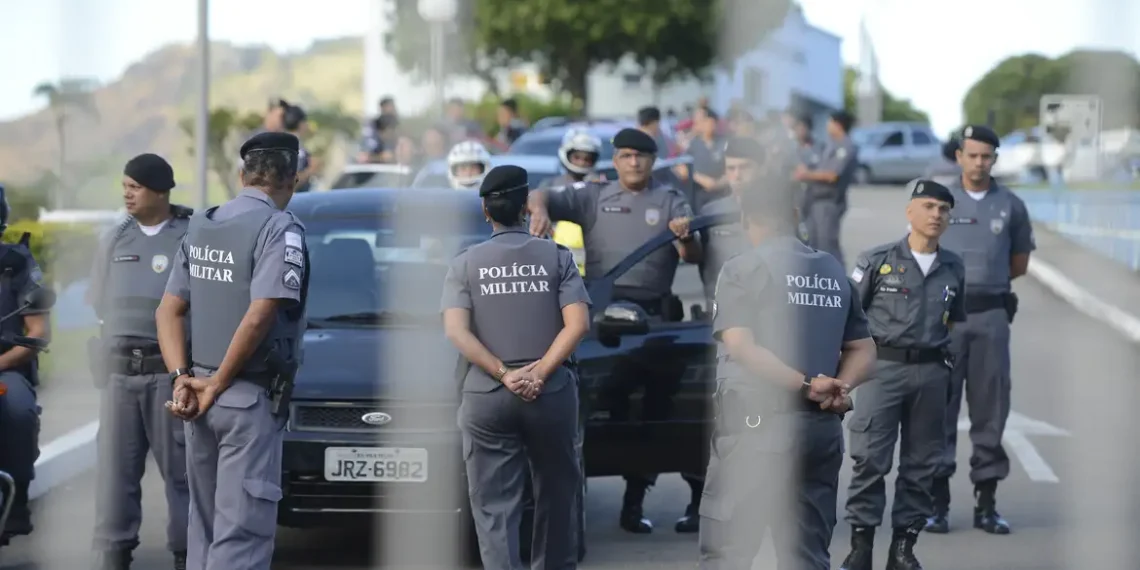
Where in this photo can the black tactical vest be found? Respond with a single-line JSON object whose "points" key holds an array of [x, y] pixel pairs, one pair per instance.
{"points": [[221, 257], [138, 267], [514, 281], [13, 268]]}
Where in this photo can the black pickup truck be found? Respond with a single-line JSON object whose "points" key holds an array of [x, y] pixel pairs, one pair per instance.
{"points": [[372, 434]]}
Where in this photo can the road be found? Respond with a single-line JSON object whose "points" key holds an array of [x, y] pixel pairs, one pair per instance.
{"points": [[1070, 372]]}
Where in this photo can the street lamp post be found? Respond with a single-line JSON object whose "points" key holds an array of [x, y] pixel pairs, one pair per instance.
{"points": [[437, 13], [202, 120]]}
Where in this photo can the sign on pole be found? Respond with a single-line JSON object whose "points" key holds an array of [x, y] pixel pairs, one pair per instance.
{"points": [[1075, 121]]}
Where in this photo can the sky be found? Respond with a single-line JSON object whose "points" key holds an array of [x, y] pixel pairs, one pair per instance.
{"points": [[929, 51]]}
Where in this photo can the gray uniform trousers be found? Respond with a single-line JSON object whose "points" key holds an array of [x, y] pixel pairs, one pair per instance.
{"points": [[823, 220], [501, 435], [782, 475], [233, 455], [981, 351], [911, 397], [133, 420]]}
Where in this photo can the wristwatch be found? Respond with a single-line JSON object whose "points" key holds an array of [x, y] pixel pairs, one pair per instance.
{"points": [[180, 372], [805, 388], [498, 375]]}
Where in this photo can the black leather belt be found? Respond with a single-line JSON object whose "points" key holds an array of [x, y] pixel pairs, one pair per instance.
{"points": [[983, 303], [911, 355], [263, 378], [135, 364]]}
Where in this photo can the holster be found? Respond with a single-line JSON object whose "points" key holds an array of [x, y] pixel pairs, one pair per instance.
{"points": [[96, 361], [1011, 302], [280, 389]]}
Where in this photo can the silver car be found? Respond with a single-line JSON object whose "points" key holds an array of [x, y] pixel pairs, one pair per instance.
{"points": [[894, 152]]}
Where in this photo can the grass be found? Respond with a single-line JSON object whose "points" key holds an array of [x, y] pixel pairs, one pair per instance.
{"points": [[68, 352]]}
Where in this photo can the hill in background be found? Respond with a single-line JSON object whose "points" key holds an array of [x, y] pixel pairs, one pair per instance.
{"points": [[140, 111]]}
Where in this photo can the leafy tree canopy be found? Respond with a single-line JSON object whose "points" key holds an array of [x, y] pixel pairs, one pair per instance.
{"points": [[894, 109]]}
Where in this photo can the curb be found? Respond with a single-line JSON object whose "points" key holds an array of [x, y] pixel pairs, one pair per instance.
{"points": [[1080, 298], [64, 458]]}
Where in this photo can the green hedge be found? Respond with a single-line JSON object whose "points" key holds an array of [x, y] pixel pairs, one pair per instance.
{"points": [[64, 251]]}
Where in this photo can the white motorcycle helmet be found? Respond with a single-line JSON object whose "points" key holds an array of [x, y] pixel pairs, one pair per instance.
{"points": [[467, 152], [578, 140]]}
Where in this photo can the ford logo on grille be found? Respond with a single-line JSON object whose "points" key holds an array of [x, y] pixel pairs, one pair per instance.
{"points": [[376, 418]]}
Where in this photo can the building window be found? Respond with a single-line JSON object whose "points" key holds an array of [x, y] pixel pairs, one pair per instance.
{"points": [[753, 86], [631, 80]]}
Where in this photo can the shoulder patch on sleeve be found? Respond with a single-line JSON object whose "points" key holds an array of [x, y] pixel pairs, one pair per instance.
{"points": [[294, 257], [294, 239], [37, 276], [291, 279], [857, 275]]}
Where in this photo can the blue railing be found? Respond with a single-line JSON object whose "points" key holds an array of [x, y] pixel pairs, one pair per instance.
{"points": [[1105, 221]]}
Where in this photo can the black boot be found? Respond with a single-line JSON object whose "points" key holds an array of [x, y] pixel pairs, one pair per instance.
{"points": [[20, 517], [986, 516], [180, 560], [632, 519], [113, 560], [939, 523], [901, 556], [691, 522], [862, 545]]}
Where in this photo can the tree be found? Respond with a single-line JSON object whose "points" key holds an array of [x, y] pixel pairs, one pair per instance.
{"points": [[1008, 97], [221, 142], [64, 97], [409, 42], [671, 39], [894, 109]]}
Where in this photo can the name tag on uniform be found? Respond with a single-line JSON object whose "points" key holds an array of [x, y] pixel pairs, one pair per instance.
{"points": [[125, 258], [615, 209], [889, 289], [961, 221]]}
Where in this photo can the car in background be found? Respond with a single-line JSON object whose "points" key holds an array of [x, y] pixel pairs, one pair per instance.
{"points": [[894, 152], [372, 435], [1028, 155], [545, 136], [373, 175]]}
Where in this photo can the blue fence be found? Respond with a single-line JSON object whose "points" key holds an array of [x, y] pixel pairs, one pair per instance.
{"points": [[1105, 221]]}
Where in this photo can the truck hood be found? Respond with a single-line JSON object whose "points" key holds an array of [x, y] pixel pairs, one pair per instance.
{"points": [[366, 363]]}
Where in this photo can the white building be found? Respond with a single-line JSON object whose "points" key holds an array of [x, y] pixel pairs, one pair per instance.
{"points": [[796, 64]]}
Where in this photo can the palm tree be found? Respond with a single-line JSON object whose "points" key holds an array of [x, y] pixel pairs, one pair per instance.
{"points": [[69, 94]]}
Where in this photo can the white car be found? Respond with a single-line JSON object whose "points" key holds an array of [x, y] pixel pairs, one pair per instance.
{"points": [[1028, 153]]}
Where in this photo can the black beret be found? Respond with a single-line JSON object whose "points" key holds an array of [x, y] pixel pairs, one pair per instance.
{"points": [[636, 140], [503, 180], [744, 147], [151, 171], [293, 117], [922, 188], [270, 141], [981, 133]]}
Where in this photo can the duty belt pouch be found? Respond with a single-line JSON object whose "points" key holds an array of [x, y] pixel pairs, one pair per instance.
{"points": [[1011, 302], [97, 361]]}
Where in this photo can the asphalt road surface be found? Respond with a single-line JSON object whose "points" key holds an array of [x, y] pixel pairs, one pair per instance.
{"points": [[1071, 496]]}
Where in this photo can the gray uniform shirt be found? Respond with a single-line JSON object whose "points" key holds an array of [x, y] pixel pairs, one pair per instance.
{"points": [[798, 303], [278, 260], [510, 276], [905, 308], [129, 275], [616, 221], [842, 158], [721, 242], [987, 233]]}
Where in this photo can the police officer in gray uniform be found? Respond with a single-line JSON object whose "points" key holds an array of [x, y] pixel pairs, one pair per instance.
{"points": [[242, 275], [617, 217], [19, 413], [990, 229], [742, 160], [795, 341], [825, 199], [912, 291], [128, 278], [519, 412]]}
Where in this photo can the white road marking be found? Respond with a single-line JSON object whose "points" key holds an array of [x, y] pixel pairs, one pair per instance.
{"points": [[1017, 429]]}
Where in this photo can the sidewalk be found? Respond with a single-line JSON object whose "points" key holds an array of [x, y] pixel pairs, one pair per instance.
{"points": [[70, 408], [1102, 288]]}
